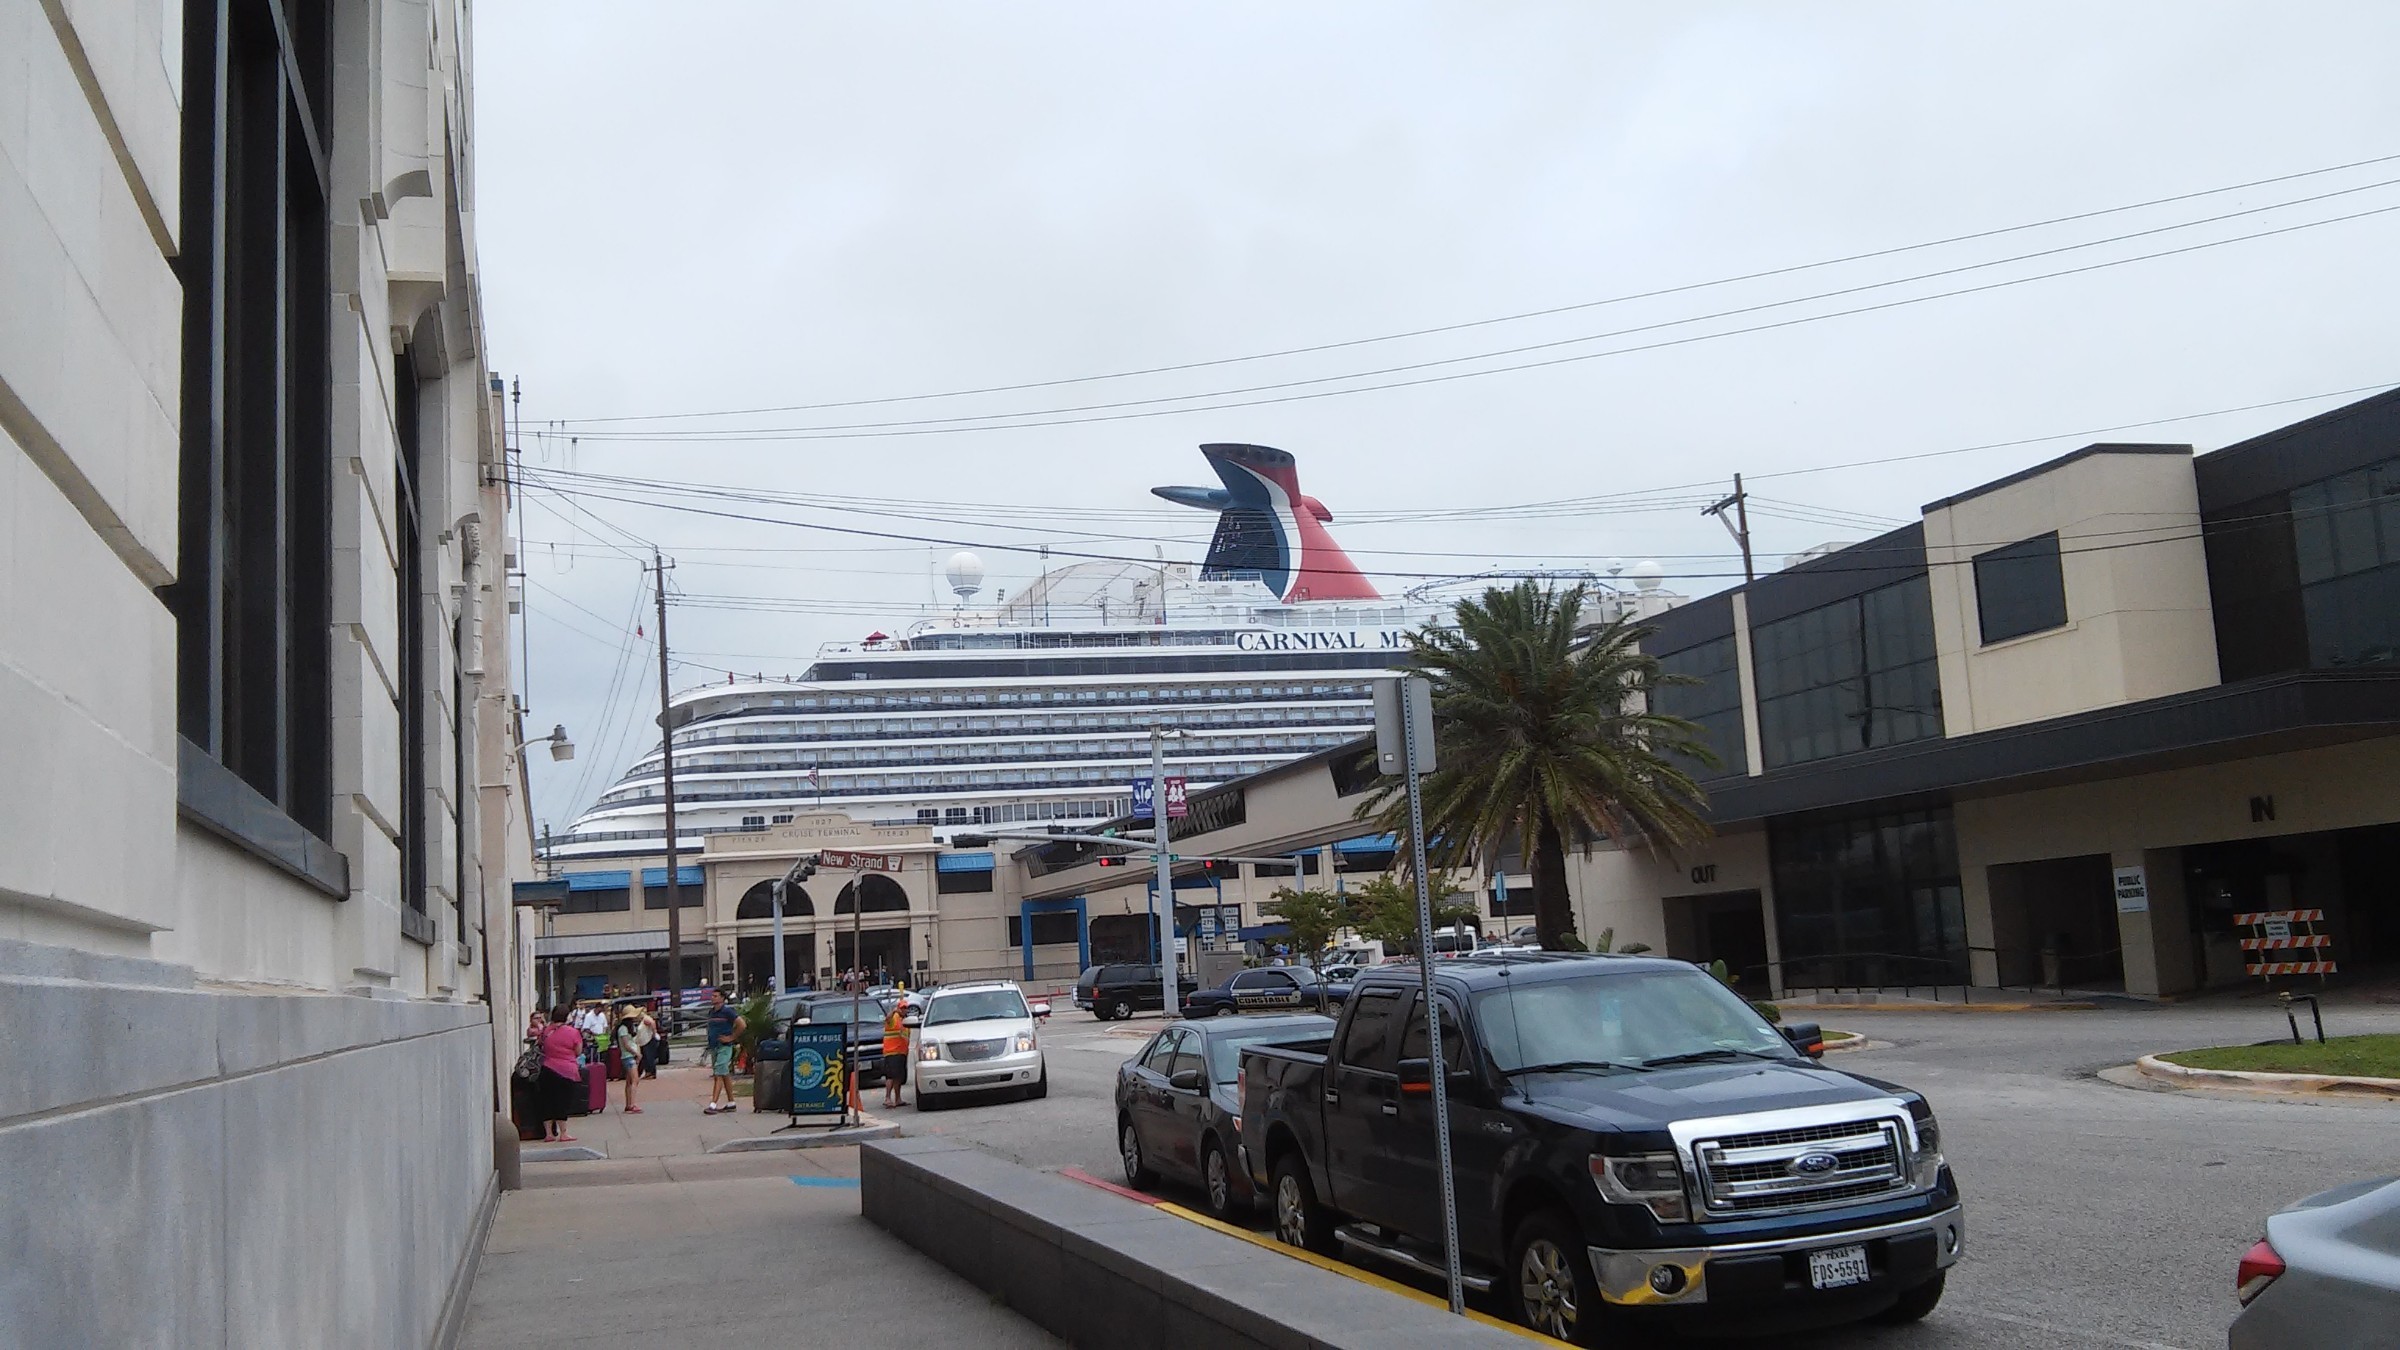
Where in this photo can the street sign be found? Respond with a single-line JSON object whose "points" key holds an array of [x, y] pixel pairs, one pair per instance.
{"points": [[1177, 807], [817, 1086], [1402, 698], [859, 862]]}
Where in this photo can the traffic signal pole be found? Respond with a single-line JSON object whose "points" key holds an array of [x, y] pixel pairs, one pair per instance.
{"points": [[666, 768], [1170, 987]]}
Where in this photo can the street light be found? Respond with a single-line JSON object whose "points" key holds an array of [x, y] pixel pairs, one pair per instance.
{"points": [[561, 748]]}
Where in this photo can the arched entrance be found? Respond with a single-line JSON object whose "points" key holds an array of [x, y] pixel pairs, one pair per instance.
{"points": [[754, 954], [879, 949]]}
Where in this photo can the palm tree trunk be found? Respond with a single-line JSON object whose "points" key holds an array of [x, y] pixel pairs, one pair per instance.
{"points": [[1553, 917]]}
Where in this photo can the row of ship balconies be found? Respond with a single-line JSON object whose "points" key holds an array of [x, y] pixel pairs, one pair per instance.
{"points": [[885, 782]]}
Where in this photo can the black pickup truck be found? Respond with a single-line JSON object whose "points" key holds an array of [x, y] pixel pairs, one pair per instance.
{"points": [[1632, 1145]]}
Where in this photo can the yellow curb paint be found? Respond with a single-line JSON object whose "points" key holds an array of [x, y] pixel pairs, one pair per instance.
{"points": [[1344, 1268]]}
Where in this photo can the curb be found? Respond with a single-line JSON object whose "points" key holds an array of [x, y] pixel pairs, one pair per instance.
{"points": [[1856, 1040], [2070, 1005], [562, 1153], [833, 1138], [2255, 1080]]}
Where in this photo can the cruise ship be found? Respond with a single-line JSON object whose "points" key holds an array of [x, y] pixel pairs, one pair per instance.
{"points": [[1037, 708]]}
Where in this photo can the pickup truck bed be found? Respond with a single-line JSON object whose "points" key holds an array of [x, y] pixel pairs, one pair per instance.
{"points": [[1630, 1143]]}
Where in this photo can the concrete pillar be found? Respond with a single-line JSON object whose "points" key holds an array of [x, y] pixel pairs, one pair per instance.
{"points": [[1975, 901], [2157, 938]]}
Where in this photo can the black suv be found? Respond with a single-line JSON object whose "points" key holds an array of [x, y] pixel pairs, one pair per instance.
{"points": [[1632, 1143], [1112, 993]]}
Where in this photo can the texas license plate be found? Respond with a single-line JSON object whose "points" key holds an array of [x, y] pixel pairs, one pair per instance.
{"points": [[1837, 1267]]}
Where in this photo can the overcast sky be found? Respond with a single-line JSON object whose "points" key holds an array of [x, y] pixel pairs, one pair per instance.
{"points": [[698, 207]]}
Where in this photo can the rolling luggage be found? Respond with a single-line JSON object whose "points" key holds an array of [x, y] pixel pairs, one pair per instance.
{"points": [[595, 1079]]}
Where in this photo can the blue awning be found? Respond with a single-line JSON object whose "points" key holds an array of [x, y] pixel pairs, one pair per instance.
{"points": [[1264, 931], [599, 881], [963, 862], [1370, 843], [657, 876]]}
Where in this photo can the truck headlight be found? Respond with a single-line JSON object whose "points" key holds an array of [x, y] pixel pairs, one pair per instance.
{"points": [[1024, 1041], [1651, 1180], [1925, 1168], [929, 1051]]}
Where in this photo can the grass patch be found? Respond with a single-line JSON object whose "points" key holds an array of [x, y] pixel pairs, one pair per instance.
{"points": [[2349, 1056]]}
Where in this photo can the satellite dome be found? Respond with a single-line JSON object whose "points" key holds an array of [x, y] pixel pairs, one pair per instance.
{"points": [[965, 572], [1648, 575]]}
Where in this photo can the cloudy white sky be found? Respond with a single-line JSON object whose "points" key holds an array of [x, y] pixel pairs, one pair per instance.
{"points": [[701, 207]]}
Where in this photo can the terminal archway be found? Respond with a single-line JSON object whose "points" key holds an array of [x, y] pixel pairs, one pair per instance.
{"points": [[759, 902], [883, 895]]}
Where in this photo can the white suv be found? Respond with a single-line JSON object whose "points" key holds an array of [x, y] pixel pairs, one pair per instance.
{"points": [[976, 1037]]}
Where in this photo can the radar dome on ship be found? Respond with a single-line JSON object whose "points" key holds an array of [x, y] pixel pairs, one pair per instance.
{"points": [[1648, 575], [965, 573]]}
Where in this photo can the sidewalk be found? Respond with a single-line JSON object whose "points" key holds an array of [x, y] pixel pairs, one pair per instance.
{"points": [[669, 1126], [781, 1259]]}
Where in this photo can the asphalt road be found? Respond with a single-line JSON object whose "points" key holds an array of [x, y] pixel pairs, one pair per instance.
{"points": [[2099, 1217]]}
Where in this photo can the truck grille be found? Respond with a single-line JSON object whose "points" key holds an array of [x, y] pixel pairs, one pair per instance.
{"points": [[977, 1049], [1763, 1172]]}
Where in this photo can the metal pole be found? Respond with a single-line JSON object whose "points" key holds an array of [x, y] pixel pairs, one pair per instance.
{"points": [[666, 766], [1436, 1070], [780, 883], [858, 906], [1741, 518], [1168, 984]]}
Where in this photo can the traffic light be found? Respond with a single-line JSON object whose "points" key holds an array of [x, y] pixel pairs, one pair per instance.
{"points": [[1114, 860], [1220, 869]]}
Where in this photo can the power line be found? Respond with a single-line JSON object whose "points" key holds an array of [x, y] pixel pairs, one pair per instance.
{"points": [[1133, 409], [1683, 288]]}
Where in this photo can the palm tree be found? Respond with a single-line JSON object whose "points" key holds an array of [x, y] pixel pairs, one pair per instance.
{"points": [[1543, 735]]}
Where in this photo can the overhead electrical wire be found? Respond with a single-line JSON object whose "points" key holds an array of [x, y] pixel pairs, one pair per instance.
{"points": [[1434, 330], [1133, 409]]}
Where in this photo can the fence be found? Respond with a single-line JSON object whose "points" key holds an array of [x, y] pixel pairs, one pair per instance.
{"points": [[1908, 972]]}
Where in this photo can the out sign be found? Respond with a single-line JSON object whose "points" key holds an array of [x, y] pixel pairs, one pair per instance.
{"points": [[1177, 808]]}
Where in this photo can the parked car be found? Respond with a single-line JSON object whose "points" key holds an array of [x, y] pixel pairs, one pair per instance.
{"points": [[1115, 992], [980, 1036], [1178, 1112], [1265, 989], [2327, 1274], [1633, 1143], [864, 1043]]}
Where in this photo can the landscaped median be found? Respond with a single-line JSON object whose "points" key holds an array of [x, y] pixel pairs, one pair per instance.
{"points": [[2364, 1066]]}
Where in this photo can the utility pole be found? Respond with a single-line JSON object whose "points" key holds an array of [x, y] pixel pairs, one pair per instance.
{"points": [[1169, 985], [1737, 525], [666, 765]]}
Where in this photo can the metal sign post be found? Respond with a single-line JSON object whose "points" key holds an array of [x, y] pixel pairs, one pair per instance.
{"points": [[1404, 741], [1162, 809], [861, 864]]}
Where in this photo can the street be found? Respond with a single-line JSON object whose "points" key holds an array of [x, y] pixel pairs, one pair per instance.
{"points": [[2098, 1215]]}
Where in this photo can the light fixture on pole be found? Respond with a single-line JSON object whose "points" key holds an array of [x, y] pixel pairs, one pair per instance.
{"points": [[561, 748], [801, 870]]}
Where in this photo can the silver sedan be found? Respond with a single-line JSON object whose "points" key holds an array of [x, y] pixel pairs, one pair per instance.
{"points": [[2327, 1274]]}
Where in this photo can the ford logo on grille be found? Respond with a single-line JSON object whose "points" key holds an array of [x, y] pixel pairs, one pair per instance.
{"points": [[1813, 1164]]}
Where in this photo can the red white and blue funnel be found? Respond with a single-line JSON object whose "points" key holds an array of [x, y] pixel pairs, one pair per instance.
{"points": [[1268, 530]]}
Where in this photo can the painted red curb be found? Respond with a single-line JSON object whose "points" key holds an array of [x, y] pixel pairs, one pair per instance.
{"points": [[1078, 1174]]}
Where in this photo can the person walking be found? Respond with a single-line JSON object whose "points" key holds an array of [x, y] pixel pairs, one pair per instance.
{"points": [[629, 1034], [724, 1029], [895, 1053], [562, 1074], [653, 1045]]}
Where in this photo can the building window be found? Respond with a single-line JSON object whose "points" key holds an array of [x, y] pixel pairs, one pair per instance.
{"points": [[2020, 589], [408, 547], [1049, 930], [958, 883], [1853, 675], [783, 817], [1713, 701], [597, 902], [1870, 899], [252, 601], [754, 822], [2346, 536]]}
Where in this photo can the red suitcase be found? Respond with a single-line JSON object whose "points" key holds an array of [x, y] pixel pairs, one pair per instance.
{"points": [[595, 1078]]}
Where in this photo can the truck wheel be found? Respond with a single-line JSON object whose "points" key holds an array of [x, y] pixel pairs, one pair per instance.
{"points": [[1549, 1280], [1917, 1302], [1041, 1084], [1216, 1180], [1116, 1010], [1129, 1150], [1300, 1221]]}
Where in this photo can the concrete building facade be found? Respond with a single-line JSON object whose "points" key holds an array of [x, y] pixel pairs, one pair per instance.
{"points": [[263, 803]]}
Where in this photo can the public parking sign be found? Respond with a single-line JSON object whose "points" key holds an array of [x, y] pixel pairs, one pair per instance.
{"points": [[1177, 807], [817, 1086]]}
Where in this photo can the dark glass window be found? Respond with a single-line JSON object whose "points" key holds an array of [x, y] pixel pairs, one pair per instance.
{"points": [[252, 601], [1848, 676], [408, 549], [2346, 542], [596, 902], [954, 883], [1049, 930], [1872, 899], [687, 896], [2254, 588], [1715, 702], [2020, 589]]}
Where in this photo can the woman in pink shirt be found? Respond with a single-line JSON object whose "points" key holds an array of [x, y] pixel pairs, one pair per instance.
{"points": [[562, 1075]]}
